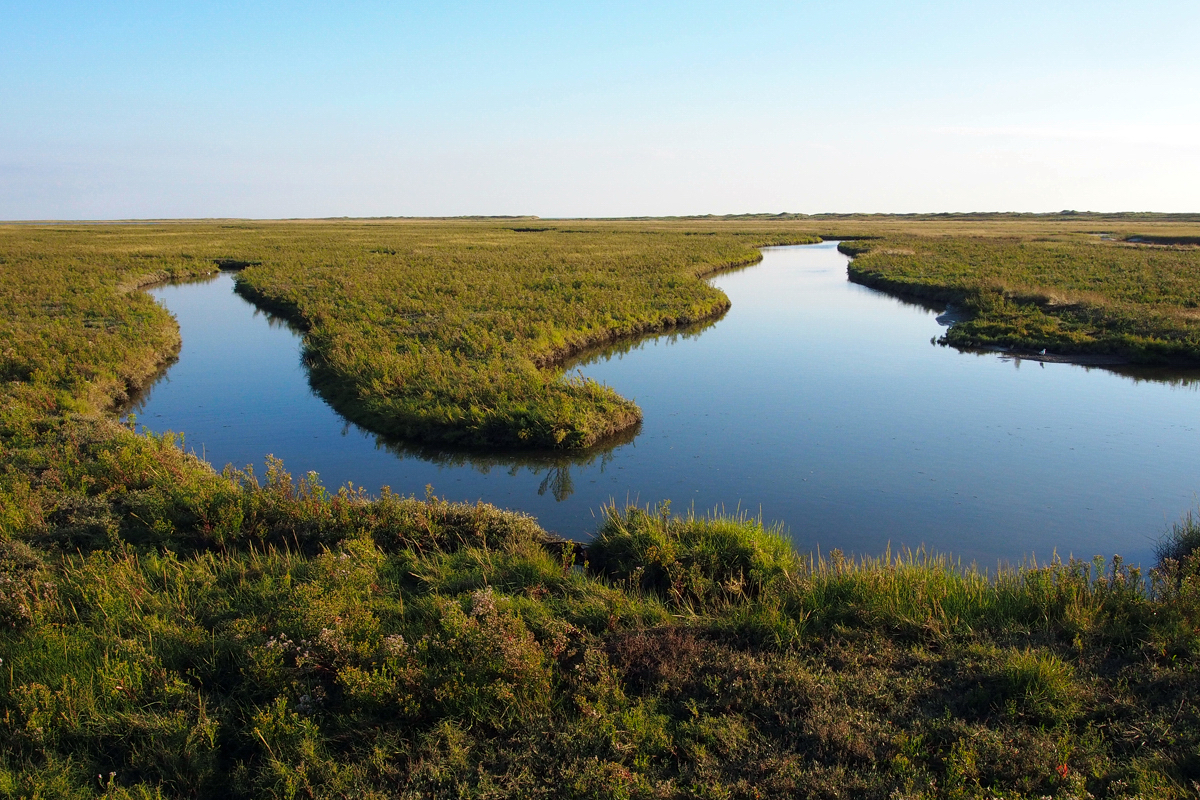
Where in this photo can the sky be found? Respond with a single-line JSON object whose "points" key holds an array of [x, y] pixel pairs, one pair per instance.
{"points": [[117, 110]]}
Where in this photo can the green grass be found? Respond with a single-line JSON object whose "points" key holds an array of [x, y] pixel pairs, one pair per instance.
{"points": [[168, 631], [1070, 294], [695, 561], [334, 646]]}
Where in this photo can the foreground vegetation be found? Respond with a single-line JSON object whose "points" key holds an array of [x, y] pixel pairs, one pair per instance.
{"points": [[168, 631], [272, 640]]}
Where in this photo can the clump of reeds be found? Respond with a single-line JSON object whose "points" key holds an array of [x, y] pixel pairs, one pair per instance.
{"points": [[1180, 542]]}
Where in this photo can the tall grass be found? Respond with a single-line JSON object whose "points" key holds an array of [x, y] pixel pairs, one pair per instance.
{"points": [[1181, 541], [693, 560], [440, 658]]}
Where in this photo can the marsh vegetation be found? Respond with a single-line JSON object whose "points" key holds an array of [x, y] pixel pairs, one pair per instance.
{"points": [[1072, 295], [167, 630], [269, 639]]}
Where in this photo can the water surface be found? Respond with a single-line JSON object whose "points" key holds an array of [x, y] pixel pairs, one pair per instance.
{"points": [[816, 402]]}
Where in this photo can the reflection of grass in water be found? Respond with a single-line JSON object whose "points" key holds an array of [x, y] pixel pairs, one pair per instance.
{"points": [[620, 348], [1180, 377], [1167, 375], [555, 464]]}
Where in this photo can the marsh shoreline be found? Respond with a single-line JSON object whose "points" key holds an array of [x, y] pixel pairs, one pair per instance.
{"points": [[947, 301]]}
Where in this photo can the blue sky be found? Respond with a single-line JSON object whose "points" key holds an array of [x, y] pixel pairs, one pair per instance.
{"points": [[120, 110]]}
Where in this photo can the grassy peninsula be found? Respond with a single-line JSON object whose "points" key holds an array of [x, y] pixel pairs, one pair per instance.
{"points": [[170, 631], [1133, 297]]}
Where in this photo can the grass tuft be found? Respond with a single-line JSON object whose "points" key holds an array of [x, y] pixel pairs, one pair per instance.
{"points": [[1180, 542], [692, 560]]}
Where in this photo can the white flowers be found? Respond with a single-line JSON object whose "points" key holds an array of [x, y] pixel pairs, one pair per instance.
{"points": [[394, 645], [483, 603]]}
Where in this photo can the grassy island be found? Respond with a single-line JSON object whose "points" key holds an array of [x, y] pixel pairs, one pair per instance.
{"points": [[170, 631]]}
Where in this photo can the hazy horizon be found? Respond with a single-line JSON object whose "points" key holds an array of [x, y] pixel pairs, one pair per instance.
{"points": [[731, 215]]}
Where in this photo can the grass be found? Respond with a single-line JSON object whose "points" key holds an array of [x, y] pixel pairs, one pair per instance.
{"points": [[1070, 294], [332, 646], [1181, 541], [692, 560], [170, 631]]}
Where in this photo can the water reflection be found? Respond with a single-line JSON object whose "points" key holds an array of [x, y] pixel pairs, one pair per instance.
{"points": [[556, 465], [1174, 376], [620, 349]]}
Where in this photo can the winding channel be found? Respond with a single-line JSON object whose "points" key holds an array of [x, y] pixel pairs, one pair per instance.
{"points": [[815, 402]]}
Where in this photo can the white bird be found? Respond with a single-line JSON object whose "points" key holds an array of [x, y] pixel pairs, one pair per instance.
{"points": [[1043, 352]]}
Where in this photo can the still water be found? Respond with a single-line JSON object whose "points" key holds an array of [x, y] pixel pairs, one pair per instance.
{"points": [[815, 402]]}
